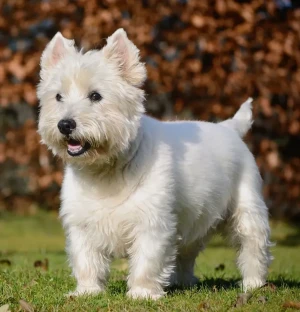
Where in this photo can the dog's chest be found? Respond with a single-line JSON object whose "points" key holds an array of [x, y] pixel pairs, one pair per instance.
{"points": [[114, 230], [108, 221]]}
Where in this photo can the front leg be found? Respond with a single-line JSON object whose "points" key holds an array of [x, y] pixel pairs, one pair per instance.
{"points": [[90, 266], [152, 257]]}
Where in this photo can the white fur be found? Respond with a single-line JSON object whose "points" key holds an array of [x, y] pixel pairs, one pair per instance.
{"points": [[149, 190]]}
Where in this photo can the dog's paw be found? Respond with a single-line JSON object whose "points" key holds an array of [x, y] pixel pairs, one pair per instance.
{"points": [[144, 293], [189, 281], [185, 281], [85, 291]]}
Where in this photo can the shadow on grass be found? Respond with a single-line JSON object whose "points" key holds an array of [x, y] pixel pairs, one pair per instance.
{"points": [[217, 284], [286, 283], [292, 240], [207, 284], [213, 284]]}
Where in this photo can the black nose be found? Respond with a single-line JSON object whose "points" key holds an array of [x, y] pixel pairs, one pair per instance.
{"points": [[66, 126]]}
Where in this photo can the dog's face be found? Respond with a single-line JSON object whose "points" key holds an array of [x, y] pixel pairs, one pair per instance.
{"points": [[90, 104]]}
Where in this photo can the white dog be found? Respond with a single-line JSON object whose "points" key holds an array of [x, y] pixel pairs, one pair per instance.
{"points": [[137, 187]]}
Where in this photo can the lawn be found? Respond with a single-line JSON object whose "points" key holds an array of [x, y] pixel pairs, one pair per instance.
{"points": [[28, 243]]}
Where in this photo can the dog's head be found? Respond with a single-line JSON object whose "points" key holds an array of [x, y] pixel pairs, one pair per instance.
{"points": [[90, 103]]}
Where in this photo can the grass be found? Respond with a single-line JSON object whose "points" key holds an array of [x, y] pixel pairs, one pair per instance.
{"points": [[24, 240]]}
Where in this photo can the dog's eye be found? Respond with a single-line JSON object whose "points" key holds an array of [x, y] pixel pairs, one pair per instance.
{"points": [[95, 96], [58, 97]]}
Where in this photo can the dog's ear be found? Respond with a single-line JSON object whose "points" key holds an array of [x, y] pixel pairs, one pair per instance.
{"points": [[125, 54], [56, 49]]}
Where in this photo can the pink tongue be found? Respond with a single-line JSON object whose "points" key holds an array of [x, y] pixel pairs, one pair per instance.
{"points": [[74, 148]]}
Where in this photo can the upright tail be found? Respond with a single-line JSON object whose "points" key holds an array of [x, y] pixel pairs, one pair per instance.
{"points": [[242, 120]]}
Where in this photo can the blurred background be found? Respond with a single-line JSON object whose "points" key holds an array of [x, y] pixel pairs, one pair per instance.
{"points": [[204, 58]]}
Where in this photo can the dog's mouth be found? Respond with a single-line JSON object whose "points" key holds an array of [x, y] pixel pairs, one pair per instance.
{"points": [[76, 148]]}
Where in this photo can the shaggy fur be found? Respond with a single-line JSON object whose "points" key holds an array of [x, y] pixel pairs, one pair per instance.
{"points": [[149, 190]]}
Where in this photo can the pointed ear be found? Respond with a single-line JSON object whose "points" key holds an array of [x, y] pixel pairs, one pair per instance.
{"points": [[125, 54], [56, 49]]}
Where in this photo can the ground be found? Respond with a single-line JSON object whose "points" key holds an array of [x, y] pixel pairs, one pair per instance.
{"points": [[28, 243]]}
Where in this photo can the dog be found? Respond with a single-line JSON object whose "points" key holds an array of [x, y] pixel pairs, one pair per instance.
{"points": [[141, 188]]}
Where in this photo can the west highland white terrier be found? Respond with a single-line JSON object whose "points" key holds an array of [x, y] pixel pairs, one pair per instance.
{"points": [[137, 187]]}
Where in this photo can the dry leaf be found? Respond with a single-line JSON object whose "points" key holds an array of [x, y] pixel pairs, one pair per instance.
{"points": [[220, 267], [30, 284], [25, 306], [42, 264], [37, 263], [4, 308], [6, 262], [203, 306], [270, 286], [242, 299], [262, 299], [292, 305]]}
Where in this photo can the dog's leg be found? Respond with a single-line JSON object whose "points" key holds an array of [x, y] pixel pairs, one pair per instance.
{"points": [[250, 230], [185, 262], [152, 257], [90, 267]]}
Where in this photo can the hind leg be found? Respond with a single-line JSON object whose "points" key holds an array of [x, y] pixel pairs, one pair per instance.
{"points": [[183, 274], [250, 231]]}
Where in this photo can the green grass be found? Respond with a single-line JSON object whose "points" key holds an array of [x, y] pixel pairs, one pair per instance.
{"points": [[23, 240]]}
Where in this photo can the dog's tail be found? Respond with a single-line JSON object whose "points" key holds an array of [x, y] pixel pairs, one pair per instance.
{"points": [[242, 120]]}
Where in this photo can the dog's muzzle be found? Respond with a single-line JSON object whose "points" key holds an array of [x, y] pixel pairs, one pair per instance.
{"points": [[75, 147]]}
